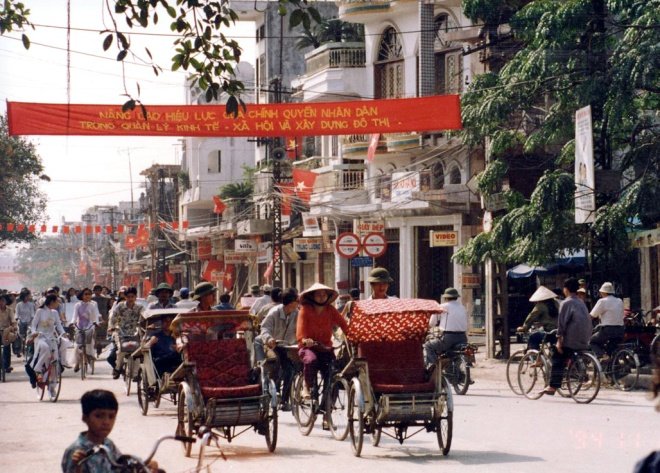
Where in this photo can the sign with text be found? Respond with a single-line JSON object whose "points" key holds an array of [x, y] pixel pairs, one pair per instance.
{"points": [[403, 186], [245, 246], [362, 262], [471, 280], [302, 245], [348, 245], [364, 227], [311, 226], [233, 257], [290, 119], [585, 183], [265, 252], [444, 238], [217, 276]]}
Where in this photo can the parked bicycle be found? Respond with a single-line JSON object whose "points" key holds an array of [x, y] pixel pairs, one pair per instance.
{"points": [[456, 367]]}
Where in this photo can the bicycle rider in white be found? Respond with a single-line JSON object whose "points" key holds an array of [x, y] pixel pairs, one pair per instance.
{"points": [[85, 315], [46, 325]]}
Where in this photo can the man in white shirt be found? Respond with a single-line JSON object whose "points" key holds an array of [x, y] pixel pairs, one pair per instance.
{"points": [[186, 302], [263, 300], [452, 324], [609, 310]]}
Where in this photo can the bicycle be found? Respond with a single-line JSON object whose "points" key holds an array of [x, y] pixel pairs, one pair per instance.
{"points": [[456, 367], [84, 361], [51, 379], [133, 464]]}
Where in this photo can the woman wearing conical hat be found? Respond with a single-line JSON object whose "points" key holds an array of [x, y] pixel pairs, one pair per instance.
{"points": [[314, 326], [544, 314]]}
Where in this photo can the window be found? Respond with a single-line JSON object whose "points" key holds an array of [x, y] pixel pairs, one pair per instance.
{"points": [[455, 175], [448, 58], [389, 70], [214, 162], [437, 176]]}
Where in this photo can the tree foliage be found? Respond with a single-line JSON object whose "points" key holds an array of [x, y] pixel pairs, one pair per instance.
{"points": [[330, 30], [46, 260], [201, 47], [566, 55], [20, 198]]}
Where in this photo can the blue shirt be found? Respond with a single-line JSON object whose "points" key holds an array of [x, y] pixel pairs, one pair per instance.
{"points": [[96, 464], [224, 306]]}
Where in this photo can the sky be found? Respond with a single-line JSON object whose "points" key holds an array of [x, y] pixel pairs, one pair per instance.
{"points": [[88, 171]]}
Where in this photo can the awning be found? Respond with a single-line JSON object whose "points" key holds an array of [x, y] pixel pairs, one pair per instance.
{"points": [[525, 271], [572, 263]]}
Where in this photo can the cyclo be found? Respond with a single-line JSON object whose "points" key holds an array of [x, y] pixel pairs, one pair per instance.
{"points": [[220, 390], [151, 386], [390, 390]]}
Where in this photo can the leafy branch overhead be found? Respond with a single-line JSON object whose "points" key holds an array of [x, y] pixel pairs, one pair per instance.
{"points": [[201, 48], [559, 57]]}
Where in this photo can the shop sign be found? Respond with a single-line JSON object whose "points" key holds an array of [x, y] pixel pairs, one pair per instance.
{"points": [[310, 226], [403, 186], [471, 281], [217, 276], [134, 269], [265, 252], [362, 262], [364, 227], [302, 245], [443, 238], [175, 268], [234, 257], [245, 246]]}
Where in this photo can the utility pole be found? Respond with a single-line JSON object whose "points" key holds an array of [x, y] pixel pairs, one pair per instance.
{"points": [[277, 154]]}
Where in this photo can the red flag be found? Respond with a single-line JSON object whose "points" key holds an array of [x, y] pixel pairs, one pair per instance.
{"points": [[55, 229], [78, 229], [294, 147], [373, 146], [185, 224], [303, 183], [219, 206], [120, 228], [169, 278], [65, 229], [108, 229], [228, 280], [142, 237], [44, 228], [131, 242], [97, 229], [287, 194], [146, 287], [20, 227], [32, 228], [175, 225]]}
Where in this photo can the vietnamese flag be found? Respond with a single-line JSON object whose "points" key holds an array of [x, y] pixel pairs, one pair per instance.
{"points": [[303, 183], [218, 205], [228, 280], [287, 195], [294, 147], [169, 278]]}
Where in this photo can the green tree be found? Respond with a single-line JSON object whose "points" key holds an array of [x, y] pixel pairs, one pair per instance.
{"points": [[330, 30], [201, 48], [21, 202], [562, 56], [47, 260]]}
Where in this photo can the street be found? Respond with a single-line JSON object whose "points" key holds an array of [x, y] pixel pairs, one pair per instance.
{"points": [[494, 430]]}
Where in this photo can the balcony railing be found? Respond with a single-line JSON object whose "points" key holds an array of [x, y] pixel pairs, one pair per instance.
{"points": [[335, 56]]}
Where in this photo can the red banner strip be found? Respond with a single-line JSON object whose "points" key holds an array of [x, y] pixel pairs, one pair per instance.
{"points": [[439, 112]]}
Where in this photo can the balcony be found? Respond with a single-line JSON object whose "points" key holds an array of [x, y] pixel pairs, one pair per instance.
{"points": [[342, 183], [332, 69], [358, 145]]}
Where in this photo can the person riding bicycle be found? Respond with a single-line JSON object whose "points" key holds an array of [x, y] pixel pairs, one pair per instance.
{"points": [[45, 326], [280, 324], [452, 324], [609, 310], [25, 310], [124, 327], [544, 313], [314, 331], [573, 333], [85, 316]]}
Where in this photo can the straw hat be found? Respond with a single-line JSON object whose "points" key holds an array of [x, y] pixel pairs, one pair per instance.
{"points": [[306, 294], [607, 288], [542, 294]]}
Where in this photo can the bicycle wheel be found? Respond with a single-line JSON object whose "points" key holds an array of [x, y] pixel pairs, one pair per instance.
{"points": [[375, 438], [82, 364], [445, 422], [270, 421], [625, 369], [303, 409], [512, 371], [532, 377], [337, 408], [583, 378], [355, 422], [54, 384], [143, 392]]}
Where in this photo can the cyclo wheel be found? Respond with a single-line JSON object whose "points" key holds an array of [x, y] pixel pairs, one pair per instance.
{"points": [[583, 378], [185, 425], [531, 378], [512, 371], [303, 409], [270, 421], [375, 438], [625, 369], [445, 421], [143, 392], [337, 408], [461, 380], [355, 422]]}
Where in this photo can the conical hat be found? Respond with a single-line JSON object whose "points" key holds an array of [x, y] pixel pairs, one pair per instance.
{"points": [[542, 294], [320, 287]]}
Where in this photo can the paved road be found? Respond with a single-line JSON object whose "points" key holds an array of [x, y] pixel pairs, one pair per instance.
{"points": [[494, 431]]}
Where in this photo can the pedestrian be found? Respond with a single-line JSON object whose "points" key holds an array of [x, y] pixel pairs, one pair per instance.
{"points": [[449, 327], [609, 310], [71, 295], [8, 330], [204, 294], [185, 302], [544, 314], [164, 293], [573, 333], [263, 300], [225, 303], [314, 328]]}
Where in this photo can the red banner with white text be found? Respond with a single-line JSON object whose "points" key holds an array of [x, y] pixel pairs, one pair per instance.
{"points": [[439, 112]]}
